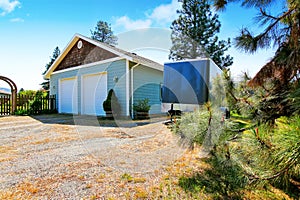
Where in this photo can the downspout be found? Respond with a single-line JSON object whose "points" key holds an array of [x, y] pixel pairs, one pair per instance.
{"points": [[131, 86]]}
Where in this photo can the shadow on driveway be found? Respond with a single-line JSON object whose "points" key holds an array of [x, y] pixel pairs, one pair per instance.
{"points": [[84, 120]]}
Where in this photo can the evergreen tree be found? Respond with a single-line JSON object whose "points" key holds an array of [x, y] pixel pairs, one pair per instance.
{"points": [[280, 76], [194, 34], [103, 33], [21, 90], [56, 53], [280, 30]]}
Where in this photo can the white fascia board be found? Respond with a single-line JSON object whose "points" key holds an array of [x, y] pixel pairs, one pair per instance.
{"points": [[152, 66], [89, 65], [61, 57], [157, 67]]}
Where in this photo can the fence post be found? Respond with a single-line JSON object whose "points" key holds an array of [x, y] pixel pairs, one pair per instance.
{"points": [[52, 102]]}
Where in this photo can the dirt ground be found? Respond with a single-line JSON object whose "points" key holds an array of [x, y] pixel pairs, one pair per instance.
{"points": [[75, 157]]}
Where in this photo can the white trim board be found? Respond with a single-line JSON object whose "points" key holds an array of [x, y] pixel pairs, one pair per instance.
{"points": [[75, 78], [89, 65], [127, 88]]}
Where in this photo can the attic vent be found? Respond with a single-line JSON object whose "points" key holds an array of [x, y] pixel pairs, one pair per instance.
{"points": [[79, 44]]}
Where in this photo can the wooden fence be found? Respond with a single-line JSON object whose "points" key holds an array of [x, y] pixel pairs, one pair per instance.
{"points": [[28, 105], [5, 105]]}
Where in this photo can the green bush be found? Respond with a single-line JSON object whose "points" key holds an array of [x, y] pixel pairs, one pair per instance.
{"points": [[35, 106], [111, 103], [22, 112], [142, 105], [201, 126]]}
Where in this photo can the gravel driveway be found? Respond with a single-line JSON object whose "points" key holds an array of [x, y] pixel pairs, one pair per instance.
{"points": [[66, 157]]}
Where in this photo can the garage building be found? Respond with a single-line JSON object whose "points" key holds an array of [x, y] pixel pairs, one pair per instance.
{"points": [[87, 69]]}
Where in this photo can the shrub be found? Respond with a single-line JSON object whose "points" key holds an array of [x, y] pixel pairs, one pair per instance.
{"points": [[111, 104], [142, 105], [22, 112], [202, 126], [35, 105]]}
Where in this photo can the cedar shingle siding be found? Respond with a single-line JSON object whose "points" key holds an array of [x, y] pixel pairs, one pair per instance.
{"points": [[89, 53]]}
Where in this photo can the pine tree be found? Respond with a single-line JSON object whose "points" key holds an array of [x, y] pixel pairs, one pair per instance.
{"points": [[194, 34], [103, 33], [56, 53], [277, 29]]}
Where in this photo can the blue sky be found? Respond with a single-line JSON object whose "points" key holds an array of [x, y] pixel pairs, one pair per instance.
{"points": [[31, 29]]}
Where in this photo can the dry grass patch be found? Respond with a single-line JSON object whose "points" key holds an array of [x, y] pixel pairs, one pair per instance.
{"points": [[263, 194], [24, 190], [140, 193], [53, 140], [139, 180], [8, 153], [7, 149], [187, 165], [9, 195]]}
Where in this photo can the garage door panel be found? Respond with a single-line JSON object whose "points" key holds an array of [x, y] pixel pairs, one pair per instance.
{"points": [[94, 92], [68, 96]]}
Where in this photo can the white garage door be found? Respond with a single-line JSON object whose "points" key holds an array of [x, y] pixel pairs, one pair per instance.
{"points": [[68, 96], [94, 92]]}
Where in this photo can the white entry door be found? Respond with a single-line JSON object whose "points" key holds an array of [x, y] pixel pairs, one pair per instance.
{"points": [[94, 92], [68, 96]]}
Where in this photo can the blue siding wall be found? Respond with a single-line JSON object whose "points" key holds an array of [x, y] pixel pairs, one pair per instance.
{"points": [[113, 69], [147, 84]]}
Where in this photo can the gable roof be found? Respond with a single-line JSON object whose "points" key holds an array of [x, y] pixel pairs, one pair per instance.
{"points": [[119, 52]]}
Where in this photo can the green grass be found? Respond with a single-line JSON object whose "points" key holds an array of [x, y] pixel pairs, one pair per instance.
{"points": [[127, 177]]}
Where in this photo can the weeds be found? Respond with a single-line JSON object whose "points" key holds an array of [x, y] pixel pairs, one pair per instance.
{"points": [[127, 177]]}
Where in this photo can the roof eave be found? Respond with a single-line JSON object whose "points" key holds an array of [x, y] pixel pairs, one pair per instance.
{"points": [[72, 42], [157, 67], [66, 50], [153, 65]]}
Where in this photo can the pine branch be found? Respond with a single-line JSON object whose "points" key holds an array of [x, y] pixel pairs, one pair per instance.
{"points": [[275, 23], [261, 141], [267, 15], [276, 175], [250, 43]]}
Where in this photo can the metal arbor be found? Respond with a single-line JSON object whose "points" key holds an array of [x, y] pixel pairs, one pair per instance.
{"points": [[14, 90]]}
